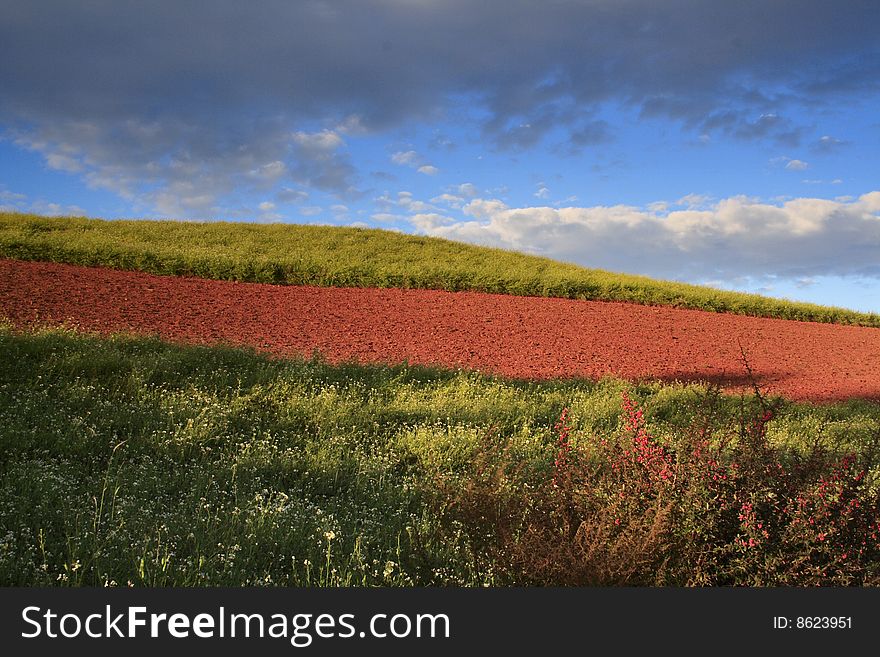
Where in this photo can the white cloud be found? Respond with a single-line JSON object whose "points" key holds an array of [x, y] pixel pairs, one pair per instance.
{"points": [[288, 195], [321, 163], [184, 199], [736, 236], [270, 172], [451, 200], [386, 217], [325, 141], [871, 201], [406, 158], [483, 208], [829, 144], [815, 181], [63, 162], [789, 163], [11, 197], [56, 209], [15, 202], [428, 222], [468, 190], [543, 191], [353, 124], [693, 201], [414, 160], [404, 201], [310, 210], [266, 206]]}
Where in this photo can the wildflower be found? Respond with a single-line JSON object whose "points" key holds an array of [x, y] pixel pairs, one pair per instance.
{"points": [[563, 449]]}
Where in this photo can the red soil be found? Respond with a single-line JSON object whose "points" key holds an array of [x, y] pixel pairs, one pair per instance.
{"points": [[526, 337]]}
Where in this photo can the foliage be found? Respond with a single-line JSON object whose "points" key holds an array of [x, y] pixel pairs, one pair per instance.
{"points": [[129, 460]]}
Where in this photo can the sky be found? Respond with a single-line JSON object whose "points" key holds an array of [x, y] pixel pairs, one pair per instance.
{"points": [[734, 144]]}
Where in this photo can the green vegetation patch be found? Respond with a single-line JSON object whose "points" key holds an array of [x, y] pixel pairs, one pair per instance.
{"points": [[355, 257], [132, 461]]}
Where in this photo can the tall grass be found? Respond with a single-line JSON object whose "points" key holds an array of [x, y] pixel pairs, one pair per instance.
{"points": [[328, 256], [132, 461]]}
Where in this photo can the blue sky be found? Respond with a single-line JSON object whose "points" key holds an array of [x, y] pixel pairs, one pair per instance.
{"points": [[732, 144]]}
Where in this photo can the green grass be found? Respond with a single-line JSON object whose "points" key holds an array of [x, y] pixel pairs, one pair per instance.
{"points": [[130, 460], [328, 256]]}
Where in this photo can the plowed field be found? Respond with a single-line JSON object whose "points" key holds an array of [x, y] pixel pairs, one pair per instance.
{"points": [[525, 337]]}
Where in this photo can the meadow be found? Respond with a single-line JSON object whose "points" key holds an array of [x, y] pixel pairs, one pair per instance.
{"points": [[130, 461], [355, 257]]}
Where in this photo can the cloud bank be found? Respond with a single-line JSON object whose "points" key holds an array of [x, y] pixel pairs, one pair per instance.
{"points": [[734, 237]]}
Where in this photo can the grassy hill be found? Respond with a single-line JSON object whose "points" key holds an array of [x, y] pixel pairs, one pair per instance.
{"points": [[355, 257]]}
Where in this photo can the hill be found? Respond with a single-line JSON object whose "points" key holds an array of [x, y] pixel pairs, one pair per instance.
{"points": [[354, 257]]}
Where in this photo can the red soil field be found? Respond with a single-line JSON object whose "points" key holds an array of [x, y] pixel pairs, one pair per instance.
{"points": [[523, 337]]}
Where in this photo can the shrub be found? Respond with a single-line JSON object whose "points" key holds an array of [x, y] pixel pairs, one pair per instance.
{"points": [[720, 506]]}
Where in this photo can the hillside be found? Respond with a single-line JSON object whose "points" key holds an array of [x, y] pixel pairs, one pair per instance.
{"points": [[354, 257]]}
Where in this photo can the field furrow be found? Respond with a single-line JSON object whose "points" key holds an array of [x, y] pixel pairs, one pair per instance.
{"points": [[526, 337]]}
